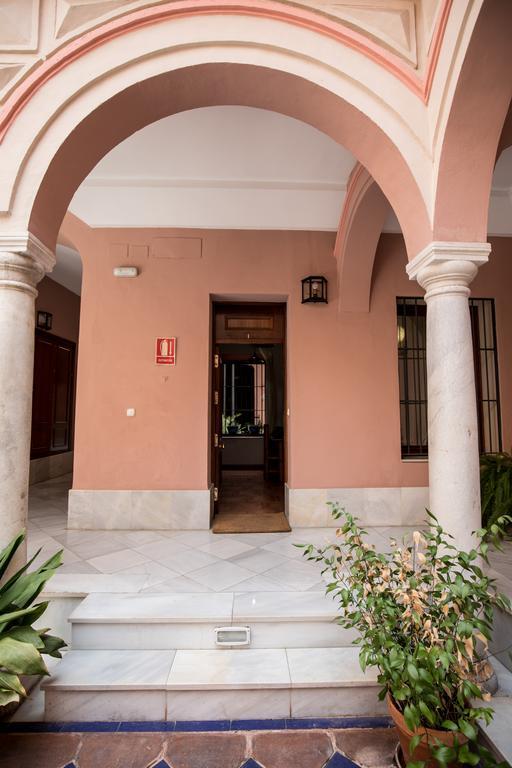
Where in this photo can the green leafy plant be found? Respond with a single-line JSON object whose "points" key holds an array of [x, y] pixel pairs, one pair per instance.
{"points": [[495, 487], [423, 612], [231, 420], [21, 645]]}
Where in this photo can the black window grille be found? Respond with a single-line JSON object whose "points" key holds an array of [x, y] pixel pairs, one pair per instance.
{"points": [[412, 374], [243, 404]]}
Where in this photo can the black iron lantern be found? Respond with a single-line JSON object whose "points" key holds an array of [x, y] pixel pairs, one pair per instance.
{"points": [[44, 320], [314, 290]]}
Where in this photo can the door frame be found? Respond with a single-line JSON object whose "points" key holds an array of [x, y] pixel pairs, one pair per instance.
{"points": [[279, 308]]}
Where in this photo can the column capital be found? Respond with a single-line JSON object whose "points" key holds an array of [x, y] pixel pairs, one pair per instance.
{"points": [[24, 260], [447, 268]]}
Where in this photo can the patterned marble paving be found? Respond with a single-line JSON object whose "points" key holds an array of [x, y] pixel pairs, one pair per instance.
{"points": [[190, 561]]}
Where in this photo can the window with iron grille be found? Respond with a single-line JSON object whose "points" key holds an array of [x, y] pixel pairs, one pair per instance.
{"points": [[243, 398], [412, 374]]}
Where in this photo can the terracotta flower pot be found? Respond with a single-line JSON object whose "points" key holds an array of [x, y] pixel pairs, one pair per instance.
{"points": [[422, 751]]}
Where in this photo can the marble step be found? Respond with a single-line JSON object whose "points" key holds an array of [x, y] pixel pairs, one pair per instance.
{"points": [[210, 685], [183, 621]]}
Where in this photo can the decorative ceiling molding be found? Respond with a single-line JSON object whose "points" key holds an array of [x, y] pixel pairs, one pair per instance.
{"points": [[19, 25], [391, 23], [8, 71], [73, 14], [396, 17]]}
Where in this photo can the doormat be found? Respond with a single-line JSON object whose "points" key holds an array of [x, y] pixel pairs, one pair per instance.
{"points": [[255, 522]]}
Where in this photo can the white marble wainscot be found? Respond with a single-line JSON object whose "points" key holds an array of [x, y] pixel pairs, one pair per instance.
{"points": [[139, 510], [108, 685], [48, 467], [308, 507]]}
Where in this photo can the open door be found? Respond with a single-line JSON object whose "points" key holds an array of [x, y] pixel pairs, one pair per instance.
{"points": [[217, 444]]}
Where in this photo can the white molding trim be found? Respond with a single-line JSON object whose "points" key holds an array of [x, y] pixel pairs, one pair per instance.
{"points": [[438, 252], [27, 244], [163, 181]]}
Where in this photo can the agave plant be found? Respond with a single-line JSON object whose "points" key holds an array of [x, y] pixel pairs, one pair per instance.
{"points": [[21, 645], [496, 488]]}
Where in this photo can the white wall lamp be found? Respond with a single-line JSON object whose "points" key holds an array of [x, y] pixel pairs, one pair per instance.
{"points": [[126, 271]]}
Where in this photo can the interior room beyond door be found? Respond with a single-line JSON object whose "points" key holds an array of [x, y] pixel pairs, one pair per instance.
{"points": [[248, 405]]}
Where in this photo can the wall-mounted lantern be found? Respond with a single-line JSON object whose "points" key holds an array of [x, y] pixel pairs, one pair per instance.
{"points": [[314, 290], [44, 320]]}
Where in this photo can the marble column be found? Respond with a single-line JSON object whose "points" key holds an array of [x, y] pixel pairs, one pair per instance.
{"points": [[445, 270], [23, 262]]}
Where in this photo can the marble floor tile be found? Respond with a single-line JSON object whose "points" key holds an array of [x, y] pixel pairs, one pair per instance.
{"points": [[193, 560], [78, 567], [117, 561], [258, 560], [179, 584], [258, 539], [284, 547], [163, 551], [134, 539], [196, 538], [159, 560], [225, 548], [156, 573], [294, 575], [221, 575], [258, 583], [95, 547]]}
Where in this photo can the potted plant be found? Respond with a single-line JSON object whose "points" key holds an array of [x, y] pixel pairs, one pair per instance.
{"points": [[255, 429], [423, 612], [21, 645], [231, 424], [495, 487]]}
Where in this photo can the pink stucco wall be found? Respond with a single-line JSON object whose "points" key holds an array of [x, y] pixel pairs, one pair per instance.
{"points": [[342, 382], [64, 306]]}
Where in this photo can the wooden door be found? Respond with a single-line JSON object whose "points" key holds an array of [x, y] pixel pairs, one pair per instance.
{"points": [[52, 402], [217, 443]]}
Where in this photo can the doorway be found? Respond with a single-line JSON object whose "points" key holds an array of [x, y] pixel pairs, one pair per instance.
{"points": [[248, 467]]}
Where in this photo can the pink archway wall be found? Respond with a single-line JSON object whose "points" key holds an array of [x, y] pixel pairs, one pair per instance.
{"points": [[474, 127], [234, 84], [364, 212]]}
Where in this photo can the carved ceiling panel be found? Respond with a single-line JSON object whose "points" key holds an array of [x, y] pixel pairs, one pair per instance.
{"points": [[404, 27], [19, 23]]}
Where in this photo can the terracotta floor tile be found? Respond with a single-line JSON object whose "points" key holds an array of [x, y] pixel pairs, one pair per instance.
{"points": [[300, 749], [373, 748], [38, 750], [205, 750], [119, 750]]}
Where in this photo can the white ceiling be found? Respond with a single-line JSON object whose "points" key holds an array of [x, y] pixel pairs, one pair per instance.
{"points": [[222, 168], [231, 168]]}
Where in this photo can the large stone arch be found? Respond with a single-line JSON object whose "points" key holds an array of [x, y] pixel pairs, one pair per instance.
{"points": [[475, 123], [97, 98]]}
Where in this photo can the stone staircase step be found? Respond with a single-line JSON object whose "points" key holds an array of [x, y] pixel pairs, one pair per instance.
{"points": [[182, 621], [210, 685]]}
